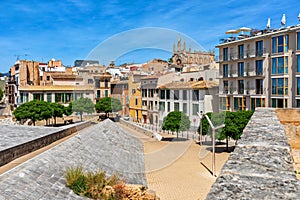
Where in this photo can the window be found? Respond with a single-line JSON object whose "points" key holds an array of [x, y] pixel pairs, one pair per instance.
{"points": [[298, 41], [106, 93], [176, 106], [68, 97], [184, 108], [176, 94], [225, 54], [184, 94], [259, 67], [225, 70], [259, 48], [195, 95], [90, 81], [280, 86], [58, 97], [133, 91], [195, 109], [279, 103], [38, 96], [280, 44], [97, 83], [106, 83], [298, 86], [49, 97], [280, 65], [225, 86], [224, 103], [259, 86], [168, 94], [169, 106], [257, 102], [241, 51], [241, 86], [162, 94], [98, 94], [239, 103], [298, 62], [298, 103], [48, 78], [162, 106], [41, 78], [240, 69], [136, 102]]}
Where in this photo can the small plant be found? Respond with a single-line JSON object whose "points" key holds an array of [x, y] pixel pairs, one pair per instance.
{"points": [[94, 185]]}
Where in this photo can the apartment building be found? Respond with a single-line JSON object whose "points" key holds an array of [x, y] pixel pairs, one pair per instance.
{"points": [[189, 97], [119, 90], [150, 99], [135, 96], [260, 69]]}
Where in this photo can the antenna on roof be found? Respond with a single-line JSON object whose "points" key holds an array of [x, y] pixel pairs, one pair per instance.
{"points": [[269, 23], [283, 20]]}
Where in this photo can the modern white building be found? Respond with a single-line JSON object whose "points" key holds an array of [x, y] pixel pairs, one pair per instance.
{"points": [[260, 69], [189, 97]]}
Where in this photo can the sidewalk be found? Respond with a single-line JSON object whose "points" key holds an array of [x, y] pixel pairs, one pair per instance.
{"points": [[178, 169]]}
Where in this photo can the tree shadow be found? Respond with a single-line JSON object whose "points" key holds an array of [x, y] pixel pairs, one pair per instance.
{"points": [[174, 139], [221, 149]]}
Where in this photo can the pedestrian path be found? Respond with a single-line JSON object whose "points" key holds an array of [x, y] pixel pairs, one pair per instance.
{"points": [[178, 170]]}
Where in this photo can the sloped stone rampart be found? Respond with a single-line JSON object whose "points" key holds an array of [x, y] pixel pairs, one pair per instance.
{"points": [[103, 146], [19, 140], [261, 166]]}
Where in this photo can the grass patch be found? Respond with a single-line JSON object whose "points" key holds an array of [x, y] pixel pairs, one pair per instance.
{"points": [[95, 185]]}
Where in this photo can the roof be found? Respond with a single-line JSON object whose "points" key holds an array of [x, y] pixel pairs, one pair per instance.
{"points": [[65, 76], [190, 85], [152, 76], [55, 87], [261, 34]]}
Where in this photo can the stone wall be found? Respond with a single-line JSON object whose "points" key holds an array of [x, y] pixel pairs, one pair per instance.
{"points": [[9, 154], [261, 165], [103, 146], [150, 133]]}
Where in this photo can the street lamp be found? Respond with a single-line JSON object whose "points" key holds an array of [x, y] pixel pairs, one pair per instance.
{"points": [[213, 140]]}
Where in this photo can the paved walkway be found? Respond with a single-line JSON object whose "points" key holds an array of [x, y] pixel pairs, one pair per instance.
{"points": [[178, 169]]}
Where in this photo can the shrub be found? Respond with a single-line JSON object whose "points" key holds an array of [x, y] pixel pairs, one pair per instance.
{"points": [[94, 185]]}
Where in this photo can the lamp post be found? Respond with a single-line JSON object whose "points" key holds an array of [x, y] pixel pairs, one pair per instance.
{"points": [[213, 140]]}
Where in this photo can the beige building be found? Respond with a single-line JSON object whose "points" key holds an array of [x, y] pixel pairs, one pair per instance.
{"points": [[260, 69], [183, 57]]}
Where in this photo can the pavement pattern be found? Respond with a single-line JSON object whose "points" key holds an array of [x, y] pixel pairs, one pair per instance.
{"points": [[104, 146]]}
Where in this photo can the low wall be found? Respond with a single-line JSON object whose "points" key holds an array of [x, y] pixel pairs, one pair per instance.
{"points": [[261, 166], [10, 154], [141, 129]]}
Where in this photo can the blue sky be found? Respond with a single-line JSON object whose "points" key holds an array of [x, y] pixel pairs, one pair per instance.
{"points": [[71, 29]]}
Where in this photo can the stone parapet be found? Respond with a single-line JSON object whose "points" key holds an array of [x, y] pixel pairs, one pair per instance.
{"points": [[21, 140], [261, 166]]}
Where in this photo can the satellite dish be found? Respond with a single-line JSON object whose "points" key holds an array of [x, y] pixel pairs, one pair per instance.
{"points": [[283, 20]]}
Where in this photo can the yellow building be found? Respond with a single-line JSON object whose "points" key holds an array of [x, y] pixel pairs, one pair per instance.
{"points": [[135, 97]]}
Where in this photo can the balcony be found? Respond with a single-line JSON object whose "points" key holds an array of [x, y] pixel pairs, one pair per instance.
{"points": [[144, 107]]}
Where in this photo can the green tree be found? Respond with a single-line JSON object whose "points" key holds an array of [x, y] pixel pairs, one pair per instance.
{"points": [[108, 105], [33, 110], [1, 94], [83, 105], [68, 109], [235, 122], [176, 121], [58, 110]]}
